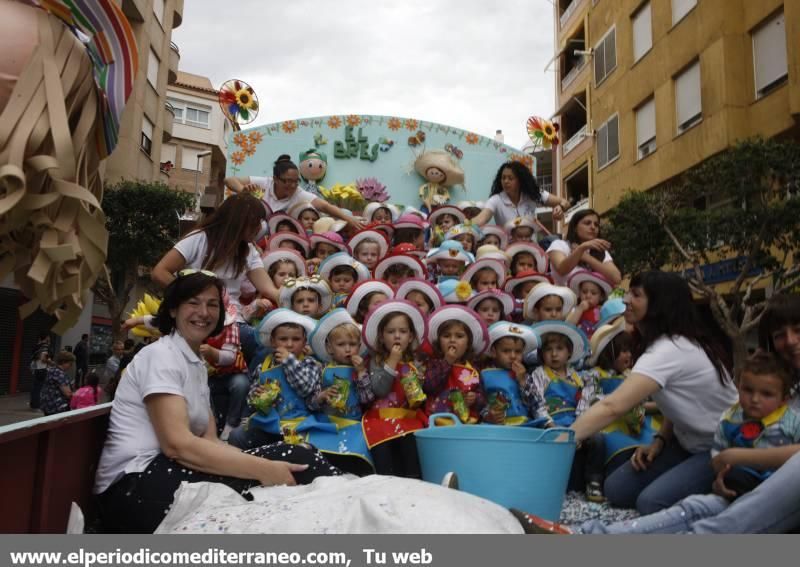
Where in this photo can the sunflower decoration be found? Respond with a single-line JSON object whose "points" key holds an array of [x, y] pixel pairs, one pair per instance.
{"points": [[394, 124], [249, 149], [148, 305], [472, 139], [463, 290], [542, 132], [237, 158], [353, 120], [255, 137], [239, 102], [289, 126], [334, 122], [411, 124], [240, 139]]}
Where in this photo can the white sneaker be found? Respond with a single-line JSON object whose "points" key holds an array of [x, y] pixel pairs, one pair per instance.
{"points": [[450, 480], [225, 432]]}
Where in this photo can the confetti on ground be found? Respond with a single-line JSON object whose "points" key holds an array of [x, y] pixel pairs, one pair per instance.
{"points": [[577, 510]]}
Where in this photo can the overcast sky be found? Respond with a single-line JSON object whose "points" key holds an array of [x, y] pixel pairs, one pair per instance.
{"points": [[475, 64]]}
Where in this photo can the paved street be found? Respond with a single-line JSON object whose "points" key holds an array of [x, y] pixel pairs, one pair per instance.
{"points": [[15, 408]]}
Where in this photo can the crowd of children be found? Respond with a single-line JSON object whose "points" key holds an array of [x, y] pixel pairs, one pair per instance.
{"points": [[375, 331]]}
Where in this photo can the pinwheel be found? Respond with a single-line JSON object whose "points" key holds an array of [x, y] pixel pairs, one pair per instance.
{"points": [[238, 101], [542, 132]]}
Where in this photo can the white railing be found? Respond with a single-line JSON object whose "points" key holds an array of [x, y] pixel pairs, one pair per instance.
{"points": [[569, 11], [576, 139], [569, 77]]}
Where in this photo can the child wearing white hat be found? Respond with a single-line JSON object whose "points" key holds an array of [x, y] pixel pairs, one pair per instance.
{"points": [[307, 296], [342, 273], [279, 406], [336, 393], [556, 392], [493, 235], [492, 305], [505, 373], [365, 296], [392, 331], [448, 261], [592, 289], [369, 247], [485, 274], [443, 219], [467, 233], [521, 229], [452, 383]]}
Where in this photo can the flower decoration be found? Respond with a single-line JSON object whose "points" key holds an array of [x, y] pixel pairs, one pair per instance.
{"points": [[411, 124], [289, 126], [147, 306], [372, 190], [255, 137], [524, 159], [238, 101], [237, 158], [394, 124], [472, 139], [249, 149], [240, 139], [353, 120], [542, 132], [463, 290], [334, 122], [344, 196], [751, 430]]}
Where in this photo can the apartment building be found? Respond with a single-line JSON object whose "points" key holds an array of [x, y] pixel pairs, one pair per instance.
{"points": [[646, 89], [195, 158]]}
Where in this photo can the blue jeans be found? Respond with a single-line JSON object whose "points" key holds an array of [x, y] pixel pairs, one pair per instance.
{"points": [[236, 386], [672, 476], [677, 519]]}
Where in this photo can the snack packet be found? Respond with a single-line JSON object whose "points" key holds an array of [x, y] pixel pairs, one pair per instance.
{"points": [[459, 405], [264, 402], [342, 385], [411, 386]]}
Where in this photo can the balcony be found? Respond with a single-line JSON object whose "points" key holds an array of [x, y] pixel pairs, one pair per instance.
{"points": [[574, 72], [174, 60], [167, 122], [576, 139], [177, 17], [568, 11]]}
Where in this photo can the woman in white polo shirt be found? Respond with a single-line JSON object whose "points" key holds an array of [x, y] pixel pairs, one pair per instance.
{"points": [[688, 374], [282, 191], [516, 194], [162, 430]]}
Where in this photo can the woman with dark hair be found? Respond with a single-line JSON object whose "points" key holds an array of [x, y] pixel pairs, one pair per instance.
{"points": [[162, 430], [583, 249], [688, 374], [281, 191], [515, 193], [223, 244]]}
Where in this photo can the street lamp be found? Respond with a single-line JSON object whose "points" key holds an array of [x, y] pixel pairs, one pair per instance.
{"points": [[200, 156]]}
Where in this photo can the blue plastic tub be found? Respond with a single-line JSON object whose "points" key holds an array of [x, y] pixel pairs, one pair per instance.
{"points": [[516, 467]]}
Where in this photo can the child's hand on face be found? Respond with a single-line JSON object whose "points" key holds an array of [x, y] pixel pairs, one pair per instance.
{"points": [[470, 398], [326, 395], [450, 354], [357, 362], [308, 351], [519, 371], [281, 354], [395, 356], [585, 305]]}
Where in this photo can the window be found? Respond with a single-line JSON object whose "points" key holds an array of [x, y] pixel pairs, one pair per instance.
{"points": [[168, 153], [152, 69], [191, 113], [680, 8], [642, 32], [147, 135], [769, 54], [605, 56], [646, 128], [688, 107], [608, 142], [189, 159], [158, 10]]}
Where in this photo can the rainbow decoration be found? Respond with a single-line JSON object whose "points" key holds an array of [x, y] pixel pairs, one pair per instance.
{"points": [[105, 31]]}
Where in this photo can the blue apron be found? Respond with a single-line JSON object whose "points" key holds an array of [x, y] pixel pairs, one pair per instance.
{"points": [[499, 380], [338, 432], [288, 409], [562, 396], [619, 436]]}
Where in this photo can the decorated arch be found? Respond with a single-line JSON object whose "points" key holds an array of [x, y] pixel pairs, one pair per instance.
{"points": [[383, 148]]}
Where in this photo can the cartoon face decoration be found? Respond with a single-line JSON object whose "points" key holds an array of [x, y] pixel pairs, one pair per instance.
{"points": [[435, 175], [313, 165]]}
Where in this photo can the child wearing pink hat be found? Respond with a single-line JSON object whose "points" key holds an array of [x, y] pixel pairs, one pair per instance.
{"points": [[322, 246], [592, 289]]}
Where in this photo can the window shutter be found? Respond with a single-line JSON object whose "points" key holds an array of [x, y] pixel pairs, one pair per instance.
{"points": [[646, 122], [642, 32], [680, 8], [769, 53], [688, 95]]}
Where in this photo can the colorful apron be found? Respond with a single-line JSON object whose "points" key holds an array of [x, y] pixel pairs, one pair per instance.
{"points": [[562, 396], [747, 433], [463, 378], [338, 432], [289, 409], [627, 432], [500, 382], [390, 417]]}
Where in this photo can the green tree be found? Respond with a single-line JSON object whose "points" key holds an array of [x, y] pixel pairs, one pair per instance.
{"points": [[142, 225], [743, 204]]}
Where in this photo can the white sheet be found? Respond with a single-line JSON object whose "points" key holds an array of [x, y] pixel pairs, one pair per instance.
{"points": [[336, 505]]}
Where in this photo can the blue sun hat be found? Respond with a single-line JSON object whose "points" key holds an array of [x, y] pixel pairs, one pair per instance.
{"points": [[455, 291], [610, 310], [450, 250]]}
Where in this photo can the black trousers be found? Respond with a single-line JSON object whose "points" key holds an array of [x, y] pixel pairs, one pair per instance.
{"points": [[589, 463], [138, 502], [397, 457], [39, 376]]}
